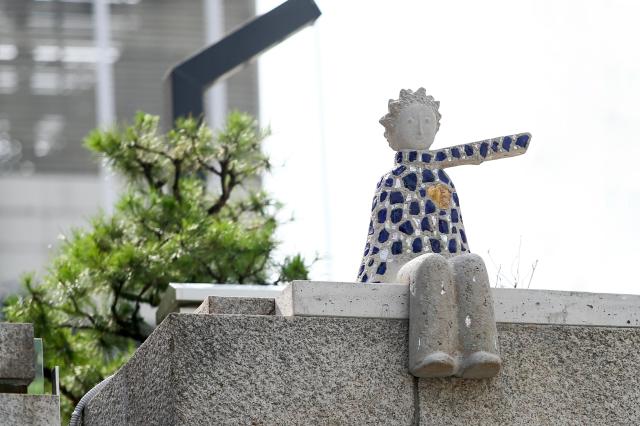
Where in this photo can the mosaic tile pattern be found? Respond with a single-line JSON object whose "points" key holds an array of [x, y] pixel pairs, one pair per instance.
{"points": [[416, 209]]}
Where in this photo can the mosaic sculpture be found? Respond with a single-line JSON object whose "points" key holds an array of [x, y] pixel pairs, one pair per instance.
{"points": [[416, 235]]}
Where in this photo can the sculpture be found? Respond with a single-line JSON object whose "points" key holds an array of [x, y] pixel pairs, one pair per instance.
{"points": [[416, 235]]}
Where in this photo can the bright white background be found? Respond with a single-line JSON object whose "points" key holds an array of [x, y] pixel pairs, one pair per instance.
{"points": [[566, 71]]}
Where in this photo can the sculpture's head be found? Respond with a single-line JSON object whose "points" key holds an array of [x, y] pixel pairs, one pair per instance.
{"points": [[412, 121]]}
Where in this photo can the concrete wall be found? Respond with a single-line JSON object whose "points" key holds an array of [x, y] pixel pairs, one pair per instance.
{"points": [[234, 369], [34, 211]]}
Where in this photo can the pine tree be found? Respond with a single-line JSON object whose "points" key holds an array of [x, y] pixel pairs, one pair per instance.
{"points": [[165, 228]]}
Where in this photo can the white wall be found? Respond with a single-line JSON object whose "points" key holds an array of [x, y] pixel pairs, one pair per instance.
{"points": [[35, 212]]}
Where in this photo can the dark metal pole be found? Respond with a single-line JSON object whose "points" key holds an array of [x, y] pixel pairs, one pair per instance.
{"points": [[186, 82]]}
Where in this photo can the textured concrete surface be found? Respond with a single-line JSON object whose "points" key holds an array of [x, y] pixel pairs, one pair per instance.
{"points": [[142, 392], [17, 354], [284, 301], [344, 299], [29, 410], [566, 307], [262, 370], [270, 370], [551, 375], [390, 300]]}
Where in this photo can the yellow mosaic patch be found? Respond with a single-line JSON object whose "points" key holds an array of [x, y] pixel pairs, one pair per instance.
{"points": [[440, 195]]}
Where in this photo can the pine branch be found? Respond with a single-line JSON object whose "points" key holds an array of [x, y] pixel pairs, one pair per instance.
{"points": [[228, 182], [177, 167]]}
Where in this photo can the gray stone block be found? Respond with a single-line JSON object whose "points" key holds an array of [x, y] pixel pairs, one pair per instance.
{"points": [[551, 375], [216, 305], [262, 370], [17, 354], [269, 370], [29, 410], [143, 390]]}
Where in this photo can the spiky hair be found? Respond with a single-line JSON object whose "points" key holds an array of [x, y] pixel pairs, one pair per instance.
{"points": [[408, 97]]}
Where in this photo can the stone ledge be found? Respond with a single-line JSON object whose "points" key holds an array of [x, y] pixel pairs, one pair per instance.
{"points": [[207, 369], [370, 300], [347, 299]]}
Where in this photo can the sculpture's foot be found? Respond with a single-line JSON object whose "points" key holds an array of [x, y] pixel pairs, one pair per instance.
{"points": [[436, 364], [480, 365]]}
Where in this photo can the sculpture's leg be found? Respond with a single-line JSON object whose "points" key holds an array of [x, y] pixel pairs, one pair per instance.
{"points": [[476, 322], [432, 316]]}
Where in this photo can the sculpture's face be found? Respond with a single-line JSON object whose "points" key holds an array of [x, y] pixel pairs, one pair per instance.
{"points": [[415, 128]]}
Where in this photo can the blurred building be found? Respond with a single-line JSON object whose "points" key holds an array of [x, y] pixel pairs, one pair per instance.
{"points": [[48, 181]]}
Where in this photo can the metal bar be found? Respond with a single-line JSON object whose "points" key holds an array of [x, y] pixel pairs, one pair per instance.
{"points": [[186, 82], [55, 381]]}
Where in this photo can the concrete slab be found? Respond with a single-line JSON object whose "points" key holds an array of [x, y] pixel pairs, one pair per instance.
{"points": [[17, 355], [389, 300], [346, 299]]}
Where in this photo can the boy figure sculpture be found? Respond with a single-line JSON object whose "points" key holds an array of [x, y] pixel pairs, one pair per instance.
{"points": [[416, 236]]}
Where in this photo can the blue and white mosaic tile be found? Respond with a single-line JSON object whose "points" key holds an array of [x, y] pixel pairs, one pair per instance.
{"points": [[416, 209]]}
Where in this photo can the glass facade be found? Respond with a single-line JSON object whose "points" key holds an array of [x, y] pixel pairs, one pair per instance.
{"points": [[47, 72]]}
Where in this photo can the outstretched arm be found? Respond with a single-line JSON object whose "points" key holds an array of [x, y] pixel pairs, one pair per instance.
{"points": [[478, 152]]}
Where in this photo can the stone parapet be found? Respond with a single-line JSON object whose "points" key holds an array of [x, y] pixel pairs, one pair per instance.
{"points": [[390, 300], [269, 370]]}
